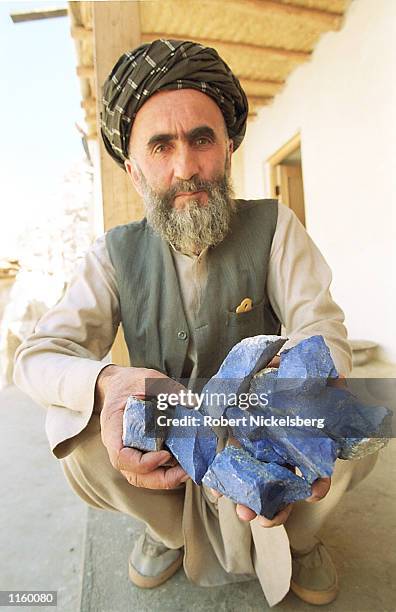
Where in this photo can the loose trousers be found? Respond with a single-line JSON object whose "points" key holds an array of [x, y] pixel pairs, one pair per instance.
{"points": [[218, 547]]}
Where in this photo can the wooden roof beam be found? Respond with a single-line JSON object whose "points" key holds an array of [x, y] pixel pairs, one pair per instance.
{"points": [[86, 72], [238, 47], [81, 33], [38, 14], [328, 20], [88, 104]]}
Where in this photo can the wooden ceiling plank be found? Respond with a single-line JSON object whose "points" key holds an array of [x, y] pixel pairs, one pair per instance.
{"points": [[247, 84], [257, 82], [251, 86], [260, 100], [319, 17], [238, 47]]}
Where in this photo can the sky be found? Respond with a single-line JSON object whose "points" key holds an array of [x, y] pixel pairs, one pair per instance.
{"points": [[39, 105]]}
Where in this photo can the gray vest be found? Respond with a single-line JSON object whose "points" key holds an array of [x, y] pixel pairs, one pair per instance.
{"points": [[152, 315]]}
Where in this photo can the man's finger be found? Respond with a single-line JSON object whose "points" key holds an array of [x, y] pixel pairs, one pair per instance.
{"points": [[339, 383], [215, 493], [111, 433], [161, 478], [279, 519], [244, 513], [175, 476], [275, 362], [161, 384], [133, 460], [319, 490]]}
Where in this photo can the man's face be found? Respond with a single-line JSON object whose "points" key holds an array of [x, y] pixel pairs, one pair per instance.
{"points": [[180, 164], [178, 135]]}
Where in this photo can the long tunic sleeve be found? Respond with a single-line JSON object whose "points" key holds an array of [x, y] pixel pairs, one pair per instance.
{"points": [[59, 363]]}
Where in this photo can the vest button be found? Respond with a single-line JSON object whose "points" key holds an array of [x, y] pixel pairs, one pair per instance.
{"points": [[182, 335]]}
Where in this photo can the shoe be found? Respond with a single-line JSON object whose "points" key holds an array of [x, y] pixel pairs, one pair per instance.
{"points": [[151, 562], [314, 576]]}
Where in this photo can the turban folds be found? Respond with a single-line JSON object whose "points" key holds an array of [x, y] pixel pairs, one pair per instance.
{"points": [[166, 65]]}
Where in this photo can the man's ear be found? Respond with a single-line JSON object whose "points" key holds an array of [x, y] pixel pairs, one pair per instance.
{"points": [[230, 150], [230, 147], [133, 174]]}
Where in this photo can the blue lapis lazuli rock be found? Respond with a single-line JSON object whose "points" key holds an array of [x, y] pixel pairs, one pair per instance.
{"points": [[193, 445], [238, 364], [252, 440], [138, 425], [308, 365], [312, 454], [264, 487], [262, 450], [356, 428]]}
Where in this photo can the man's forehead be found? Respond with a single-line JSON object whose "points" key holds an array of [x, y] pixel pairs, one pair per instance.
{"points": [[186, 108]]}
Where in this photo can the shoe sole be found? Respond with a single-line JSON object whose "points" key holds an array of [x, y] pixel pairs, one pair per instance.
{"points": [[150, 582], [316, 598]]}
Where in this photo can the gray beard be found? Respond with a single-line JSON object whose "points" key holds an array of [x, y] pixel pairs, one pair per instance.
{"points": [[195, 227]]}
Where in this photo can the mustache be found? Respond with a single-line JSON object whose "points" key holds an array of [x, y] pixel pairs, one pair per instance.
{"points": [[188, 186]]}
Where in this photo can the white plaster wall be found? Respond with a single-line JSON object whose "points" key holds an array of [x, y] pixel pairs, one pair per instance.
{"points": [[343, 103]]}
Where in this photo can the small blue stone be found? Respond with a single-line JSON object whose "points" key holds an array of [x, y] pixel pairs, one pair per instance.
{"points": [[313, 455], [139, 419], [266, 488], [251, 439], [308, 364]]}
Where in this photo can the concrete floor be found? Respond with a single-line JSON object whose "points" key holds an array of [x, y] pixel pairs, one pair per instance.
{"points": [[42, 522]]}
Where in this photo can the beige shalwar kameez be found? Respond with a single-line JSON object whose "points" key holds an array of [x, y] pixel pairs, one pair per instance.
{"points": [[58, 366]]}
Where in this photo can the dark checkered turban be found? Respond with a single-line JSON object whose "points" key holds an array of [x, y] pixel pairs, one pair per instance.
{"points": [[166, 65]]}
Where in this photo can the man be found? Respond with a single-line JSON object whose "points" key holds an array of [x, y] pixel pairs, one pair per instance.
{"points": [[173, 113]]}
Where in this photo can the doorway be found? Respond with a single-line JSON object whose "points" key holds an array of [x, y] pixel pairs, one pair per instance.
{"points": [[286, 177]]}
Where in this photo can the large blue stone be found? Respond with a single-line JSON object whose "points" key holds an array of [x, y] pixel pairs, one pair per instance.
{"points": [[356, 429], [139, 425], [235, 369], [264, 487], [194, 445], [312, 452]]}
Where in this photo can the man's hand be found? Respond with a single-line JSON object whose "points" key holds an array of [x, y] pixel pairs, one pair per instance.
{"points": [[320, 488], [113, 387]]}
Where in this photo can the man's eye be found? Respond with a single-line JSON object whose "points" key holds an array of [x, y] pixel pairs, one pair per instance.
{"points": [[202, 141], [160, 148]]}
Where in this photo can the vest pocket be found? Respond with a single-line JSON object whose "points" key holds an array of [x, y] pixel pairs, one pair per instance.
{"points": [[250, 323]]}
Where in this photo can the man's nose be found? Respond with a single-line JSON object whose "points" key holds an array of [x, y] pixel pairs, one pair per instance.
{"points": [[186, 163]]}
